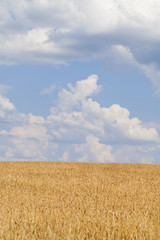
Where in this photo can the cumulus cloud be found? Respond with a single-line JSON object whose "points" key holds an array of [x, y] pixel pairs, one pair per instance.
{"points": [[94, 151], [27, 141], [135, 154], [67, 99], [35, 119], [5, 106], [77, 129], [25, 149], [57, 32], [77, 116], [29, 131]]}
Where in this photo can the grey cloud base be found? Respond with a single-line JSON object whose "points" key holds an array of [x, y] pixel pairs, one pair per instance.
{"points": [[60, 31]]}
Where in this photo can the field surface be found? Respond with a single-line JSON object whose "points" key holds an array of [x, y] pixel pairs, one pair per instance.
{"points": [[71, 201]]}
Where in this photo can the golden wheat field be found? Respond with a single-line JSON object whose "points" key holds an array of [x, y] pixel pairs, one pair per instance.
{"points": [[42, 200]]}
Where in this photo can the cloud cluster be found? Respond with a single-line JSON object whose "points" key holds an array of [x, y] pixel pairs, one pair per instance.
{"points": [[77, 115], [77, 129], [60, 31]]}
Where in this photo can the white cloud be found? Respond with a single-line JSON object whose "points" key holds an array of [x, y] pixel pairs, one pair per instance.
{"points": [[29, 131], [60, 31], [135, 154], [78, 116], [5, 106], [67, 99], [26, 149], [77, 129], [35, 119], [25, 142], [94, 151]]}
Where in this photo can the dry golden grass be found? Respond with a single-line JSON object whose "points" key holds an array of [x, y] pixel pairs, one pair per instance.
{"points": [[79, 201]]}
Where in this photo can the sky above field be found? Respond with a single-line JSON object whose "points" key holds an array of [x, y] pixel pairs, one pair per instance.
{"points": [[80, 80]]}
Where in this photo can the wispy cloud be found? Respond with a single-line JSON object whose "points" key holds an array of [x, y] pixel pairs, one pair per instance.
{"points": [[4, 89], [153, 73], [48, 91]]}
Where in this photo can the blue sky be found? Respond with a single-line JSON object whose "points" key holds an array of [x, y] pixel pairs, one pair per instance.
{"points": [[80, 81]]}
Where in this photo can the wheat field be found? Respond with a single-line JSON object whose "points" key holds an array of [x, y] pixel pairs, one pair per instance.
{"points": [[55, 200]]}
